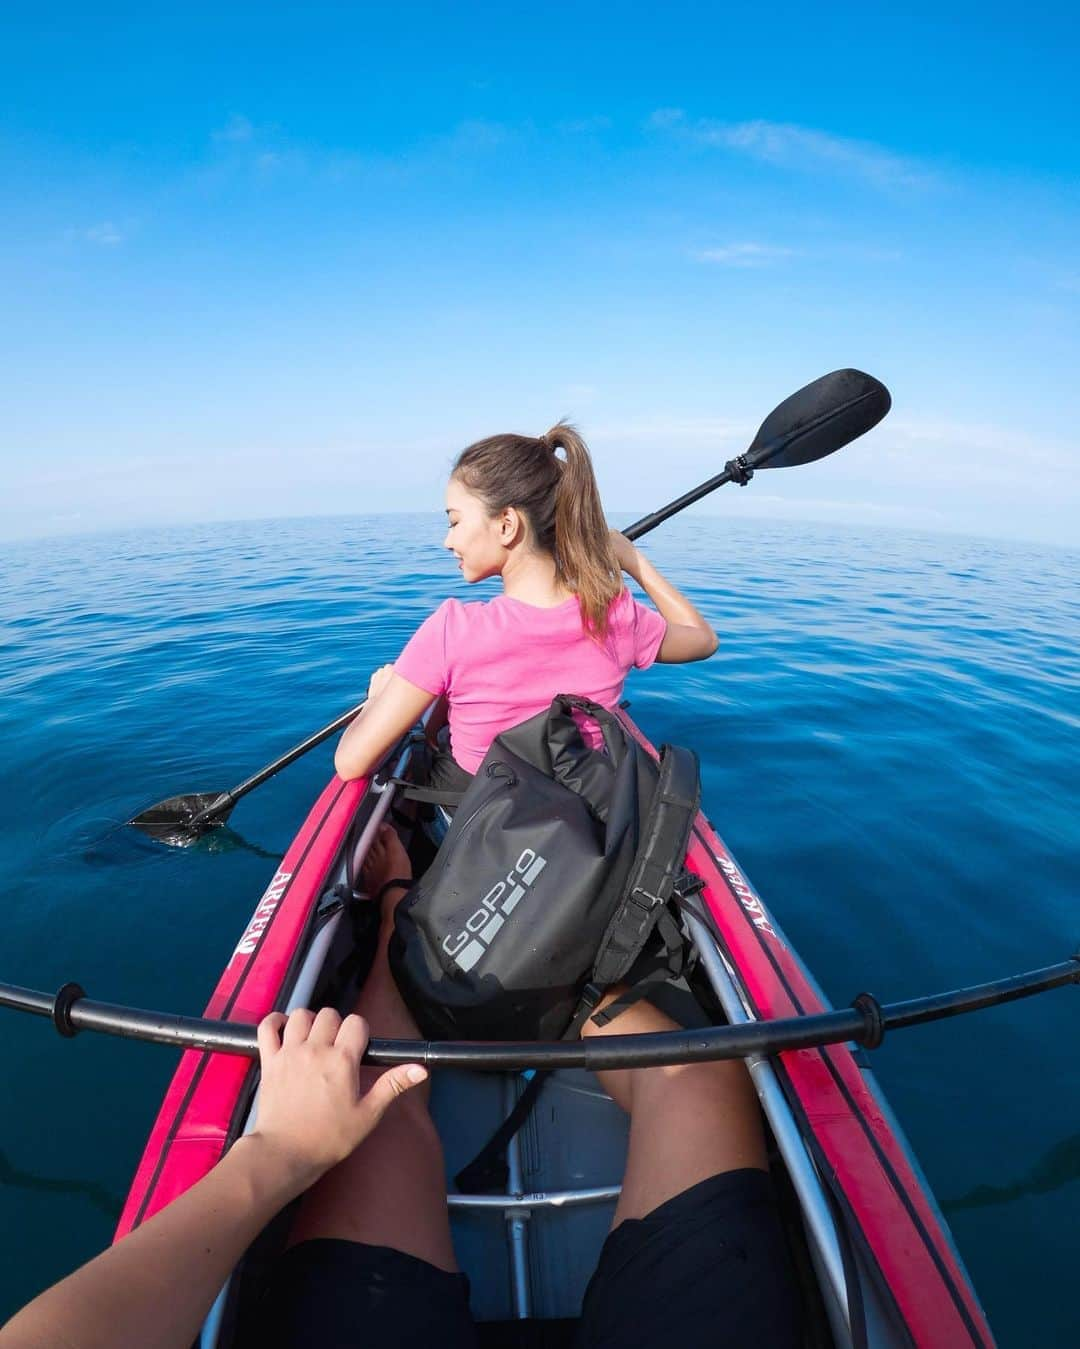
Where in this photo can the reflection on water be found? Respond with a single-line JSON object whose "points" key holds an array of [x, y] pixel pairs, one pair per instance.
{"points": [[1053, 1169], [109, 1204], [121, 844]]}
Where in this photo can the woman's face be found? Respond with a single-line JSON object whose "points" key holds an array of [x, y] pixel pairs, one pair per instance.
{"points": [[478, 540]]}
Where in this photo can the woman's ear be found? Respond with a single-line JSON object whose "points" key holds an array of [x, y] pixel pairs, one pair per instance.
{"points": [[511, 526]]}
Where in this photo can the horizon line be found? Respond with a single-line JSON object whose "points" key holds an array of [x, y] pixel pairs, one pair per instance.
{"points": [[173, 526]]}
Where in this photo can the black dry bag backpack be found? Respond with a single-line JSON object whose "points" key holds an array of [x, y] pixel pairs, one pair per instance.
{"points": [[551, 858]]}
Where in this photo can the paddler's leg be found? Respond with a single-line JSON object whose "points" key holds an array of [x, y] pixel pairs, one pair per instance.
{"points": [[696, 1255], [379, 1000], [392, 1190], [688, 1121]]}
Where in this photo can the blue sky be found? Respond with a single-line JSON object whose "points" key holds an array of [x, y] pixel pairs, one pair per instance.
{"points": [[262, 260]]}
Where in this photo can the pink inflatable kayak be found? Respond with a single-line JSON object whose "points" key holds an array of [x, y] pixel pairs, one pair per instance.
{"points": [[876, 1261]]}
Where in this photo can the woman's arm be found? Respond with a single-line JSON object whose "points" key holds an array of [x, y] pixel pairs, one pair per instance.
{"points": [[393, 705], [689, 636], [153, 1289]]}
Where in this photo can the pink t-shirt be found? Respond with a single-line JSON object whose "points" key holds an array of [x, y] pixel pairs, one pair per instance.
{"points": [[503, 660]]}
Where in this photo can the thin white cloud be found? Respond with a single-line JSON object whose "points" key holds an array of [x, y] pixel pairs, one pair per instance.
{"points": [[854, 510], [236, 129], [107, 234], [241, 148], [1009, 456], [668, 119], [476, 134], [745, 254], [802, 148], [583, 126], [688, 432]]}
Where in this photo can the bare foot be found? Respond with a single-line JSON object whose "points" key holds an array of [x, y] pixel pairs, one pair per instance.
{"points": [[386, 860]]}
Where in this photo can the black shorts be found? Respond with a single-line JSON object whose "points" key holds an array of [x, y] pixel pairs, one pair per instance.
{"points": [[708, 1268]]}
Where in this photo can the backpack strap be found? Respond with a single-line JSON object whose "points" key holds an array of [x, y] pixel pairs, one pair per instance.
{"points": [[488, 1171], [654, 968], [429, 795], [658, 863], [447, 782]]}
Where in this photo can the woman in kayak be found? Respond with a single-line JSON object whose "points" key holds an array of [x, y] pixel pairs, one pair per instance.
{"points": [[526, 509]]}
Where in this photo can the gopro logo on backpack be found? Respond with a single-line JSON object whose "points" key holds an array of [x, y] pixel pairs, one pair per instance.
{"points": [[499, 902]]}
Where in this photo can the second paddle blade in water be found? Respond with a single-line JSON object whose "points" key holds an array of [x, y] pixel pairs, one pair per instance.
{"points": [[170, 821]]}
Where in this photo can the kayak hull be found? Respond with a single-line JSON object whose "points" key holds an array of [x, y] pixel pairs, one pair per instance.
{"points": [[887, 1270]]}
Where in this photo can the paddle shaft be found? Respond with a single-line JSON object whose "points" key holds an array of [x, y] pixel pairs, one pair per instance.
{"points": [[811, 423], [228, 799], [864, 1023], [649, 522]]}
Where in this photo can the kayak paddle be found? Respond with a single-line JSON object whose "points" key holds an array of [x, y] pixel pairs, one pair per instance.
{"points": [[180, 820], [820, 418], [824, 416]]}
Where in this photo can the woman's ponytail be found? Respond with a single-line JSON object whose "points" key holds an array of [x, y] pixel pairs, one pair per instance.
{"points": [[560, 499], [584, 558]]}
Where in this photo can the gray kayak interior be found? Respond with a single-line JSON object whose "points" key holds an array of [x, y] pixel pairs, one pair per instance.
{"points": [[535, 1260], [532, 1250]]}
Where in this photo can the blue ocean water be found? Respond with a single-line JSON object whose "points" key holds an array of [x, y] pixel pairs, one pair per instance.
{"points": [[889, 740]]}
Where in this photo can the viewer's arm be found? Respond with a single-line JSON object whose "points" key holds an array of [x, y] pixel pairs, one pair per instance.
{"points": [[393, 705], [154, 1288], [689, 636]]}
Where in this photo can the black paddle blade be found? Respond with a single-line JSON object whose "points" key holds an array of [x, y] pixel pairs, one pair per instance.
{"points": [[828, 414], [171, 821]]}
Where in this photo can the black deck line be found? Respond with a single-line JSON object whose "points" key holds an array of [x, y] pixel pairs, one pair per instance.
{"points": [[916, 1218], [886, 1164], [794, 1104]]}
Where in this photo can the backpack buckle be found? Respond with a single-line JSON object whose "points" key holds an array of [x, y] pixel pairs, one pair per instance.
{"points": [[687, 884], [644, 899], [590, 996]]}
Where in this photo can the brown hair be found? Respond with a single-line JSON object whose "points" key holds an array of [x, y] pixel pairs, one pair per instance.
{"points": [[561, 502]]}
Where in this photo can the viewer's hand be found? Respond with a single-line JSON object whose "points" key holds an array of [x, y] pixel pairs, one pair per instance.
{"points": [[379, 680], [625, 553], [312, 1109]]}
